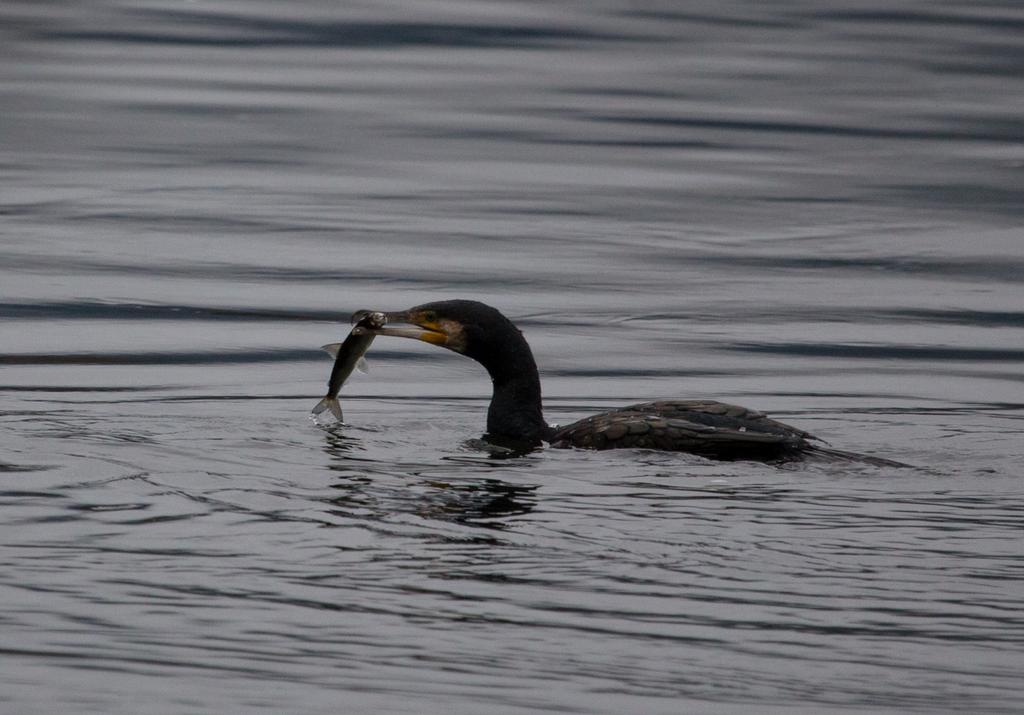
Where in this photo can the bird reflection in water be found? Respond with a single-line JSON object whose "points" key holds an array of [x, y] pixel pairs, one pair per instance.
{"points": [[484, 503], [455, 492]]}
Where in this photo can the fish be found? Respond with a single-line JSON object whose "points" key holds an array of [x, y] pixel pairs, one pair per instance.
{"points": [[348, 356]]}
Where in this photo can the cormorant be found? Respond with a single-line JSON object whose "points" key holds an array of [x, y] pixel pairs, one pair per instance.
{"points": [[515, 416]]}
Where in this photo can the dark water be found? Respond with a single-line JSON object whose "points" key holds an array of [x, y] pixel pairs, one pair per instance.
{"points": [[810, 208]]}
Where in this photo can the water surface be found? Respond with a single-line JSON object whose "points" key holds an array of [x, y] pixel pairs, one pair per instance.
{"points": [[812, 209]]}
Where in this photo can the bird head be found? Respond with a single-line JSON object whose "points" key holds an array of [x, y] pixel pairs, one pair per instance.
{"points": [[467, 327]]}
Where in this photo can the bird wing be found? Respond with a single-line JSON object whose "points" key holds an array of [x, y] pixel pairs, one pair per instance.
{"points": [[697, 426], [718, 414]]}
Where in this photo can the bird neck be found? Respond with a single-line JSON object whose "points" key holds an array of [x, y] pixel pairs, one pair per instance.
{"points": [[515, 412]]}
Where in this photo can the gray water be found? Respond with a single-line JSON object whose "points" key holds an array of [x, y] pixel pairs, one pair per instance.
{"points": [[809, 208]]}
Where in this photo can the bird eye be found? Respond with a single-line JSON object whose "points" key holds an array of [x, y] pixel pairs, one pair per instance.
{"points": [[430, 317]]}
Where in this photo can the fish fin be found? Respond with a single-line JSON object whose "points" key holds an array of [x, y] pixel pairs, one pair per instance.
{"points": [[332, 404], [332, 348], [362, 366]]}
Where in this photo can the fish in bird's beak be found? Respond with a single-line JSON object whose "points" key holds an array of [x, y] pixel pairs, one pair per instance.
{"points": [[418, 324]]}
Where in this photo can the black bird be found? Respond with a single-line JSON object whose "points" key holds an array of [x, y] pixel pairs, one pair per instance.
{"points": [[515, 417]]}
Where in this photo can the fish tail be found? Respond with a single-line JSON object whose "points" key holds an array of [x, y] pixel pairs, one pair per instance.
{"points": [[329, 403]]}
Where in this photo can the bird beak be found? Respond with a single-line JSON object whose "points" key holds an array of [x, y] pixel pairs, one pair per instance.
{"points": [[414, 327]]}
